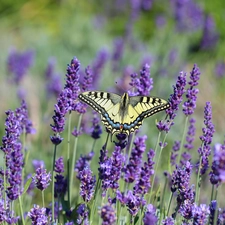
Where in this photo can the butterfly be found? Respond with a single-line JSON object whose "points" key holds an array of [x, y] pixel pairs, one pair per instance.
{"points": [[123, 114]]}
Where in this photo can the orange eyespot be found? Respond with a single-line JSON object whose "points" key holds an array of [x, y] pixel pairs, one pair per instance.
{"points": [[121, 127]]}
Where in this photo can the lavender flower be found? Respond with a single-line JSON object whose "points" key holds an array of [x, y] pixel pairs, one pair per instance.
{"points": [[122, 140], [60, 181], [66, 100], [6, 215], [217, 175], [143, 183], [168, 221], [132, 201], [213, 208], [87, 184], [190, 135], [174, 100], [82, 212], [53, 80], [200, 214], [108, 215], [186, 208], [110, 169], [38, 163], [83, 161], [210, 35], [42, 178], [96, 129], [180, 183], [98, 65], [205, 150], [12, 149], [38, 216], [144, 83], [173, 156], [25, 123], [220, 69], [133, 168], [117, 54], [19, 63], [150, 215], [190, 104], [188, 15]]}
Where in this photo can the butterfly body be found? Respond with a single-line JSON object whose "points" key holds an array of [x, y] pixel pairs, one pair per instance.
{"points": [[123, 114]]}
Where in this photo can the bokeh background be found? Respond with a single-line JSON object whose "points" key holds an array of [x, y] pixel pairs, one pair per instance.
{"points": [[115, 38]]}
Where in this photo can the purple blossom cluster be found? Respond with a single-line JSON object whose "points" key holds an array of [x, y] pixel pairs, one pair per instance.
{"points": [[18, 64], [38, 215], [53, 79], [60, 181], [217, 175], [133, 168], [110, 169], [82, 212], [208, 131], [143, 84], [87, 184], [175, 100], [67, 100], [42, 178], [108, 215], [150, 215], [143, 184], [180, 182], [191, 93], [12, 149], [96, 129]]}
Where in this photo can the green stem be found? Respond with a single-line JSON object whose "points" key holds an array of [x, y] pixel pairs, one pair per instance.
{"points": [[130, 147], [43, 198], [68, 156], [21, 210], [74, 157], [162, 202], [198, 182], [156, 168], [182, 140], [170, 201], [53, 182]]}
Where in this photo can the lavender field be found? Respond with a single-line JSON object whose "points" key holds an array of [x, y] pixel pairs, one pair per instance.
{"points": [[59, 164]]}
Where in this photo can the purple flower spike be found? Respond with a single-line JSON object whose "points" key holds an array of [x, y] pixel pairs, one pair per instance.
{"points": [[133, 168], [117, 53], [190, 135], [208, 131], [22, 116], [143, 183], [53, 80], [210, 35], [67, 99], [150, 215], [190, 105], [38, 216], [96, 129], [144, 83], [60, 181], [83, 161], [82, 212], [175, 100], [110, 170], [87, 184], [12, 148], [200, 214], [108, 215], [168, 221], [217, 175], [42, 178], [19, 63]]}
